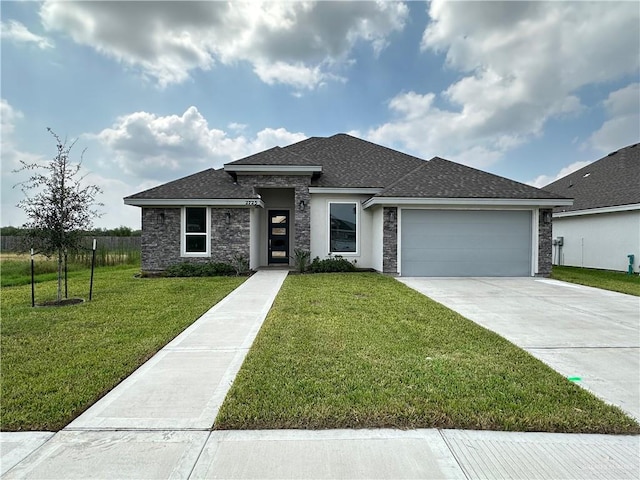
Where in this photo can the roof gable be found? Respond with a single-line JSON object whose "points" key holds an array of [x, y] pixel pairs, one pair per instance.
{"points": [[611, 181]]}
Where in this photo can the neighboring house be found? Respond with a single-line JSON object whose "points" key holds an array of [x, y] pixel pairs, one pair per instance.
{"points": [[344, 196], [602, 227]]}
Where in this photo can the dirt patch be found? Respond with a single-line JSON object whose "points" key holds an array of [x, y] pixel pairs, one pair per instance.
{"points": [[62, 303]]}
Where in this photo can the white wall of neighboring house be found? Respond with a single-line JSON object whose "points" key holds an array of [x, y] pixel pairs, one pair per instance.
{"points": [[320, 228], [600, 240]]}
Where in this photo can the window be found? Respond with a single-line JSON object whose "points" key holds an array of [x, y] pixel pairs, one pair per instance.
{"points": [[195, 231], [343, 219]]}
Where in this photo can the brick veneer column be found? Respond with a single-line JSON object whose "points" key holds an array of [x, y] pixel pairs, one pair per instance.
{"points": [[545, 247], [390, 240]]}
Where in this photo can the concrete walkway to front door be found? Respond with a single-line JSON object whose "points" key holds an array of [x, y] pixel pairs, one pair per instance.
{"points": [[586, 333], [184, 384]]}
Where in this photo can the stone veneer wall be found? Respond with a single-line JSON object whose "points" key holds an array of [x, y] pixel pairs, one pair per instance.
{"points": [[545, 247], [390, 240], [160, 242], [160, 239], [300, 184]]}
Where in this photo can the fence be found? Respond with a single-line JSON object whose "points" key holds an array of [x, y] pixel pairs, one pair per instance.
{"points": [[16, 243]]}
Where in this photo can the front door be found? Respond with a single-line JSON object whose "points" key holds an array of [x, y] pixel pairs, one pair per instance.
{"points": [[279, 236]]}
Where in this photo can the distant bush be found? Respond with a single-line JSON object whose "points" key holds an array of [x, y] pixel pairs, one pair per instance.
{"points": [[332, 264], [211, 269]]}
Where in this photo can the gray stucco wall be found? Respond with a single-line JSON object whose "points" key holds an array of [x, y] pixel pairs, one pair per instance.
{"points": [[160, 242], [390, 240], [545, 240]]}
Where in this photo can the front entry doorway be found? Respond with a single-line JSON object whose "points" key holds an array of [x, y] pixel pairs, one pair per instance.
{"points": [[278, 236]]}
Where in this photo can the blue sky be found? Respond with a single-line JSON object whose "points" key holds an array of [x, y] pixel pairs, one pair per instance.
{"points": [[158, 90]]}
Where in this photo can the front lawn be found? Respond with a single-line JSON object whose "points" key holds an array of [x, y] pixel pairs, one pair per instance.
{"points": [[608, 280], [57, 361], [365, 351]]}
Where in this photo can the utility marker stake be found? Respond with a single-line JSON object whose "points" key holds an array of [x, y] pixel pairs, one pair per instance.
{"points": [[93, 264], [33, 288]]}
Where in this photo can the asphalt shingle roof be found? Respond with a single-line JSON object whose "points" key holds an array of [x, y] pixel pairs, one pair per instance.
{"points": [[611, 181], [349, 162], [274, 156], [439, 178], [202, 185]]}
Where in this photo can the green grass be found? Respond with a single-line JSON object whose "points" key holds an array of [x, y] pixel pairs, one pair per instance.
{"points": [[57, 361], [364, 351], [608, 280], [15, 269]]}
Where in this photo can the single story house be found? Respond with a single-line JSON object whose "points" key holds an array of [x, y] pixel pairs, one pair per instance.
{"points": [[602, 227], [341, 195]]}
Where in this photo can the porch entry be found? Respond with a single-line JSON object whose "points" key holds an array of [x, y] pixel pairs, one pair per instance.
{"points": [[278, 225]]}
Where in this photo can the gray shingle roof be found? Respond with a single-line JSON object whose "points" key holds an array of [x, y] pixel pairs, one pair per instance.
{"points": [[613, 180], [439, 178], [349, 162], [274, 156], [202, 185]]}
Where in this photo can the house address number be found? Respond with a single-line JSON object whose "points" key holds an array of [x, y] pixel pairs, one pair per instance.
{"points": [[251, 203]]}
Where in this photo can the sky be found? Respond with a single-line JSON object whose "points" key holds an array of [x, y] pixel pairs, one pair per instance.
{"points": [[155, 91]]}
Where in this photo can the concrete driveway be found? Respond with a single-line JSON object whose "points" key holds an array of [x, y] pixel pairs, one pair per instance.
{"points": [[579, 331]]}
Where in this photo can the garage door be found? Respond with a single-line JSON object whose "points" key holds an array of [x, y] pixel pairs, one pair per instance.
{"points": [[465, 243]]}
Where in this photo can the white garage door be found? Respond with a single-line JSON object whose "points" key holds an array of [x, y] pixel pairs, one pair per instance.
{"points": [[465, 243]]}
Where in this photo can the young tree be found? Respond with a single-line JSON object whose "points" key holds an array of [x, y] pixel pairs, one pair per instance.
{"points": [[60, 207]]}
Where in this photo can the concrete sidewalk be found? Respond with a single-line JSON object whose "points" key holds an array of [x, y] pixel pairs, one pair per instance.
{"points": [[156, 424], [331, 454]]}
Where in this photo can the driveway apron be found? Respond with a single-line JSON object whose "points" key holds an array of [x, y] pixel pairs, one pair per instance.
{"points": [[588, 334]]}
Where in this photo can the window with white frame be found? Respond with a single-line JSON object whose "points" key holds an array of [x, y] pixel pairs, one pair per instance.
{"points": [[343, 227], [195, 231]]}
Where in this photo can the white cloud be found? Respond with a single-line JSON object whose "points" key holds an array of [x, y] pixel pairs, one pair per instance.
{"points": [[543, 180], [147, 146], [623, 125], [17, 32], [11, 154], [293, 43], [523, 63]]}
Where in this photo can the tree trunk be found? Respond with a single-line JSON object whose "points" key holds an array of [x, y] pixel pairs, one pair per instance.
{"points": [[59, 276]]}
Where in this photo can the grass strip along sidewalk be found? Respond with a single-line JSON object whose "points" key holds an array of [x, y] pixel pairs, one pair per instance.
{"points": [[363, 350], [605, 279], [57, 361]]}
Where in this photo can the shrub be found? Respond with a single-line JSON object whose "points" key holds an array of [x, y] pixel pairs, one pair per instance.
{"points": [[211, 269], [240, 264], [301, 259], [331, 264]]}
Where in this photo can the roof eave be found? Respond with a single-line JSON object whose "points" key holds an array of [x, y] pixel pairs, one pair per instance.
{"points": [[488, 202], [598, 210], [200, 202]]}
